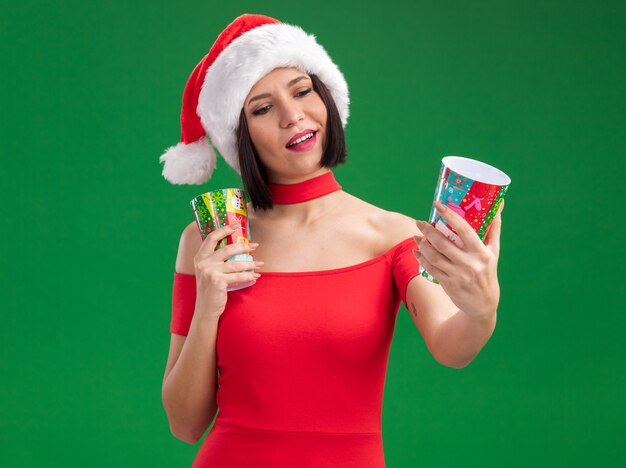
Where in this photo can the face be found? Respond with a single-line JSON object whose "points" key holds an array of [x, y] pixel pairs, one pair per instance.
{"points": [[281, 108]]}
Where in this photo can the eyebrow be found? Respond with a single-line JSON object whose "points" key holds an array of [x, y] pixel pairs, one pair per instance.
{"points": [[291, 83]]}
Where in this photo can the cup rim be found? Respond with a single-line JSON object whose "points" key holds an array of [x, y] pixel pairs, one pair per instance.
{"points": [[500, 177], [218, 190]]}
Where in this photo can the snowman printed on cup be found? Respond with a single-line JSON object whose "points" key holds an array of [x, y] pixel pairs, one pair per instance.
{"points": [[238, 202]]}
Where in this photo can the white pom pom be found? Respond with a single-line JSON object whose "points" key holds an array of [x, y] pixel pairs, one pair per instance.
{"points": [[191, 164]]}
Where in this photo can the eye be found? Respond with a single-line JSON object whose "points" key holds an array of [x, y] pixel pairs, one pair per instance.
{"points": [[265, 109], [262, 110], [304, 92]]}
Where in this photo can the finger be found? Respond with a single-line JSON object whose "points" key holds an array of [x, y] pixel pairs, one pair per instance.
{"points": [[210, 242], [435, 272], [492, 241], [232, 278], [434, 257], [468, 236], [236, 266], [445, 246], [224, 253]]}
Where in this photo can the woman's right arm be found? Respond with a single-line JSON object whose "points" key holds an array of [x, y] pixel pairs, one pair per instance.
{"points": [[190, 381]]}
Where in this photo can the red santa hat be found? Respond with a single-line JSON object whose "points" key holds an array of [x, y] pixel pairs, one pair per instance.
{"points": [[249, 48]]}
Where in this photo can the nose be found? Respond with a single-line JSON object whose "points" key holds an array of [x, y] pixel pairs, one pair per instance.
{"points": [[291, 114]]}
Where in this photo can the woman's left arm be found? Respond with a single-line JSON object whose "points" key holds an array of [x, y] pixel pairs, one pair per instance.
{"points": [[457, 317]]}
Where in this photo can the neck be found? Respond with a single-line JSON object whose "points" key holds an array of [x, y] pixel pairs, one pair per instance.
{"points": [[305, 201]]}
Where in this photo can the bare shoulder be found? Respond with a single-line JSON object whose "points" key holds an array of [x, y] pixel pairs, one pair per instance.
{"points": [[190, 242], [395, 227], [390, 227]]}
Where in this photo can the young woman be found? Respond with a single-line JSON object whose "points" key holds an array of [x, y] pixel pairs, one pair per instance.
{"points": [[296, 362]]}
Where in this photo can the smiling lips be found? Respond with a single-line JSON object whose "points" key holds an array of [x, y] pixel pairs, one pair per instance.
{"points": [[302, 141]]}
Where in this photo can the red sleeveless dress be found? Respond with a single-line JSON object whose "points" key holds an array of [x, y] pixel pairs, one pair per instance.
{"points": [[302, 358]]}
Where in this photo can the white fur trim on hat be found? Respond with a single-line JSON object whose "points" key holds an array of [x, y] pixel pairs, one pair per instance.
{"points": [[189, 164], [245, 61]]}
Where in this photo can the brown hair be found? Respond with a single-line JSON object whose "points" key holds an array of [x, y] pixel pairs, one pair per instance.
{"points": [[253, 171]]}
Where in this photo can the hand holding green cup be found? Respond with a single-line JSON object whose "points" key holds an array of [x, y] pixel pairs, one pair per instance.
{"points": [[219, 208]]}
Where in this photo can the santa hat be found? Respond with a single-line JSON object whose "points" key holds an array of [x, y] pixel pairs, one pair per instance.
{"points": [[249, 48]]}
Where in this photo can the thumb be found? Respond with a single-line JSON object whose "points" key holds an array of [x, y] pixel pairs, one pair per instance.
{"points": [[493, 236]]}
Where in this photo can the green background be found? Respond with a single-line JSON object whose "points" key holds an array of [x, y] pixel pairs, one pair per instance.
{"points": [[91, 96]]}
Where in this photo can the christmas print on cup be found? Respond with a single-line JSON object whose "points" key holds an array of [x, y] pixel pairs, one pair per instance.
{"points": [[472, 189], [219, 208]]}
